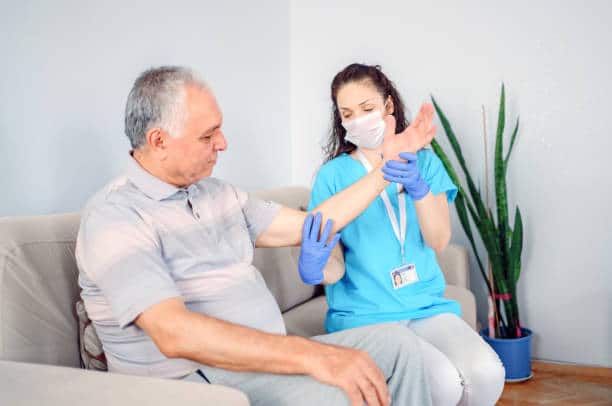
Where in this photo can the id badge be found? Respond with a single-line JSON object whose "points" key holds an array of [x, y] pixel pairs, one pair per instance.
{"points": [[403, 275]]}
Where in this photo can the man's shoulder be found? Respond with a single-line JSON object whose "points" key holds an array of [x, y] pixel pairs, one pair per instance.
{"points": [[220, 189], [211, 184], [116, 196]]}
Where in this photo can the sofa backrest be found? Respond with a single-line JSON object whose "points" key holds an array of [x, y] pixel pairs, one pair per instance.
{"points": [[38, 289]]}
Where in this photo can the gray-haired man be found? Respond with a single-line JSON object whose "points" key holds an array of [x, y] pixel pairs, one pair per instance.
{"points": [[165, 256]]}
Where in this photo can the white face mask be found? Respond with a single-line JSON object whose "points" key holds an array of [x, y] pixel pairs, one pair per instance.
{"points": [[367, 131]]}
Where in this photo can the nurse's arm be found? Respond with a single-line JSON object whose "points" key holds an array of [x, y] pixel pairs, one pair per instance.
{"points": [[434, 220], [334, 269]]}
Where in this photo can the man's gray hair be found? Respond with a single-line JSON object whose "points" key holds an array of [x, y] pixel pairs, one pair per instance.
{"points": [[157, 99]]}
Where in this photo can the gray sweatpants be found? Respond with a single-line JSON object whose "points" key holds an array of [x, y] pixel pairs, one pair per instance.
{"points": [[393, 347]]}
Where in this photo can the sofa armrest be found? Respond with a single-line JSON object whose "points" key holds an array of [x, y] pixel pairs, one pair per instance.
{"points": [[467, 301], [37, 384], [454, 263]]}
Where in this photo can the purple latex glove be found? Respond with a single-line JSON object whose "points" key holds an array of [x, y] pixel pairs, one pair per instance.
{"points": [[315, 251], [407, 174]]}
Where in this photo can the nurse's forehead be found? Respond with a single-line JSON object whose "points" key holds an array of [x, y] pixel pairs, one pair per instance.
{"points": [[354, 94]]}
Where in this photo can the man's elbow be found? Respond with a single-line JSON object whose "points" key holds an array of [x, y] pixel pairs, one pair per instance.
{"points": [[168, 334], [169, 346]]}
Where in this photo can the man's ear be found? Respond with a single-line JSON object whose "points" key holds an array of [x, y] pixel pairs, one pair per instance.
{"points": [[156, 141], [390, 107]]}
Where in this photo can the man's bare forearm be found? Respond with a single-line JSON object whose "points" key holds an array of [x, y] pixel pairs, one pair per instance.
{"points": [[180, 333], [346, 205], [342, 208], [229, 346]]}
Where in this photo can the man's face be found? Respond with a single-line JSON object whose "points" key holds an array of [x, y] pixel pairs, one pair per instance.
{"points": [[191, 155]]}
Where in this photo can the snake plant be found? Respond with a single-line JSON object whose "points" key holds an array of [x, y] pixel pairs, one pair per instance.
{"points": [[503, 243]]}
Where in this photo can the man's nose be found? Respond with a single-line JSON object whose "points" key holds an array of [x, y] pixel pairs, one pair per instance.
{"points": [[221, 142]]}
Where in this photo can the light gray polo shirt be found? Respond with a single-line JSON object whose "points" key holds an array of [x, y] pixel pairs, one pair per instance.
{"points": [[142, 241]]}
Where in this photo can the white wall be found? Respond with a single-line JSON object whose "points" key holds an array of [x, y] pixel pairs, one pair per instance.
{"points": [[67, 67], [554, 58]]}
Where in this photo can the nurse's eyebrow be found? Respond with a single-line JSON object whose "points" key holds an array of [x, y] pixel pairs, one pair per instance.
{"points": [[365, 101]]}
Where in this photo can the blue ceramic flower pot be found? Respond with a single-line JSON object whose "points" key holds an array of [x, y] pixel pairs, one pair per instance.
{"points": [[515, 354]]}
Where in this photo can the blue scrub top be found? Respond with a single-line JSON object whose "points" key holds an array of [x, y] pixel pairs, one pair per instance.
{"points": [[365, 294]]}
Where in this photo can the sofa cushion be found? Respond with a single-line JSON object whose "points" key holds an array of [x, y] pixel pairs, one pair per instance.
{"points": [[38, 289], [307, 319], [92, 352], [30, 384]]}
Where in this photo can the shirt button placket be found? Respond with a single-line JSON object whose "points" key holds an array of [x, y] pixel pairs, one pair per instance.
{"points": [[192, 192]]}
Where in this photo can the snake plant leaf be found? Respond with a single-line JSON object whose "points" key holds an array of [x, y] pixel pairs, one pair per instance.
{"points": [[516, 248], [465, 223], [437, 148], [500, 183], [512, 139], [460, 206], [450, 134]]}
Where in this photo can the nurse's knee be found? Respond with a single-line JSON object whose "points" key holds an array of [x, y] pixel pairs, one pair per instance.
{"points": [[446, 392], [445, 382], [484, 377]]}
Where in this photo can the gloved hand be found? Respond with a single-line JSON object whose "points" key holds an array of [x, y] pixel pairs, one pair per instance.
{"points": [[315, 252], [407, 174]]}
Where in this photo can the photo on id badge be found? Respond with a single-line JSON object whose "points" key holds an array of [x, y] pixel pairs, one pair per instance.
{"points": [[404, 275]]}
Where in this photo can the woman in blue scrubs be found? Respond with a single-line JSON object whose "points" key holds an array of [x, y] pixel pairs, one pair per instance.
{"points": [[389, 251]]}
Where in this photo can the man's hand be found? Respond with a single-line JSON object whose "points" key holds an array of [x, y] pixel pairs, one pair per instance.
{"points": [[315, 252], [354, 372], [416, 136]]}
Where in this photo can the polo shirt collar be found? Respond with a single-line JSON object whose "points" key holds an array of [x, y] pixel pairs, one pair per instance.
{"points": [[153, 187]]}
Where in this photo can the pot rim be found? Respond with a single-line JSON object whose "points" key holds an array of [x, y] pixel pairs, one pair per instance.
{"points": [[528, 335]]}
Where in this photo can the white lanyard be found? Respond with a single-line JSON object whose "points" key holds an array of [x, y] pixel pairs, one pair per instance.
{"points": [[399, 231]]}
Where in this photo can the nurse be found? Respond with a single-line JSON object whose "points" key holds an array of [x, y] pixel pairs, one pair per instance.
{"points": [[389, 251]]}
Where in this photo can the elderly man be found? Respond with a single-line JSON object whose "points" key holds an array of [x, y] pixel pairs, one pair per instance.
{"points": [[165, 256]]}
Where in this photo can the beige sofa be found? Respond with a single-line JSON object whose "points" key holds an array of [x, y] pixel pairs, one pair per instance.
{"points": [[38, 325]]}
